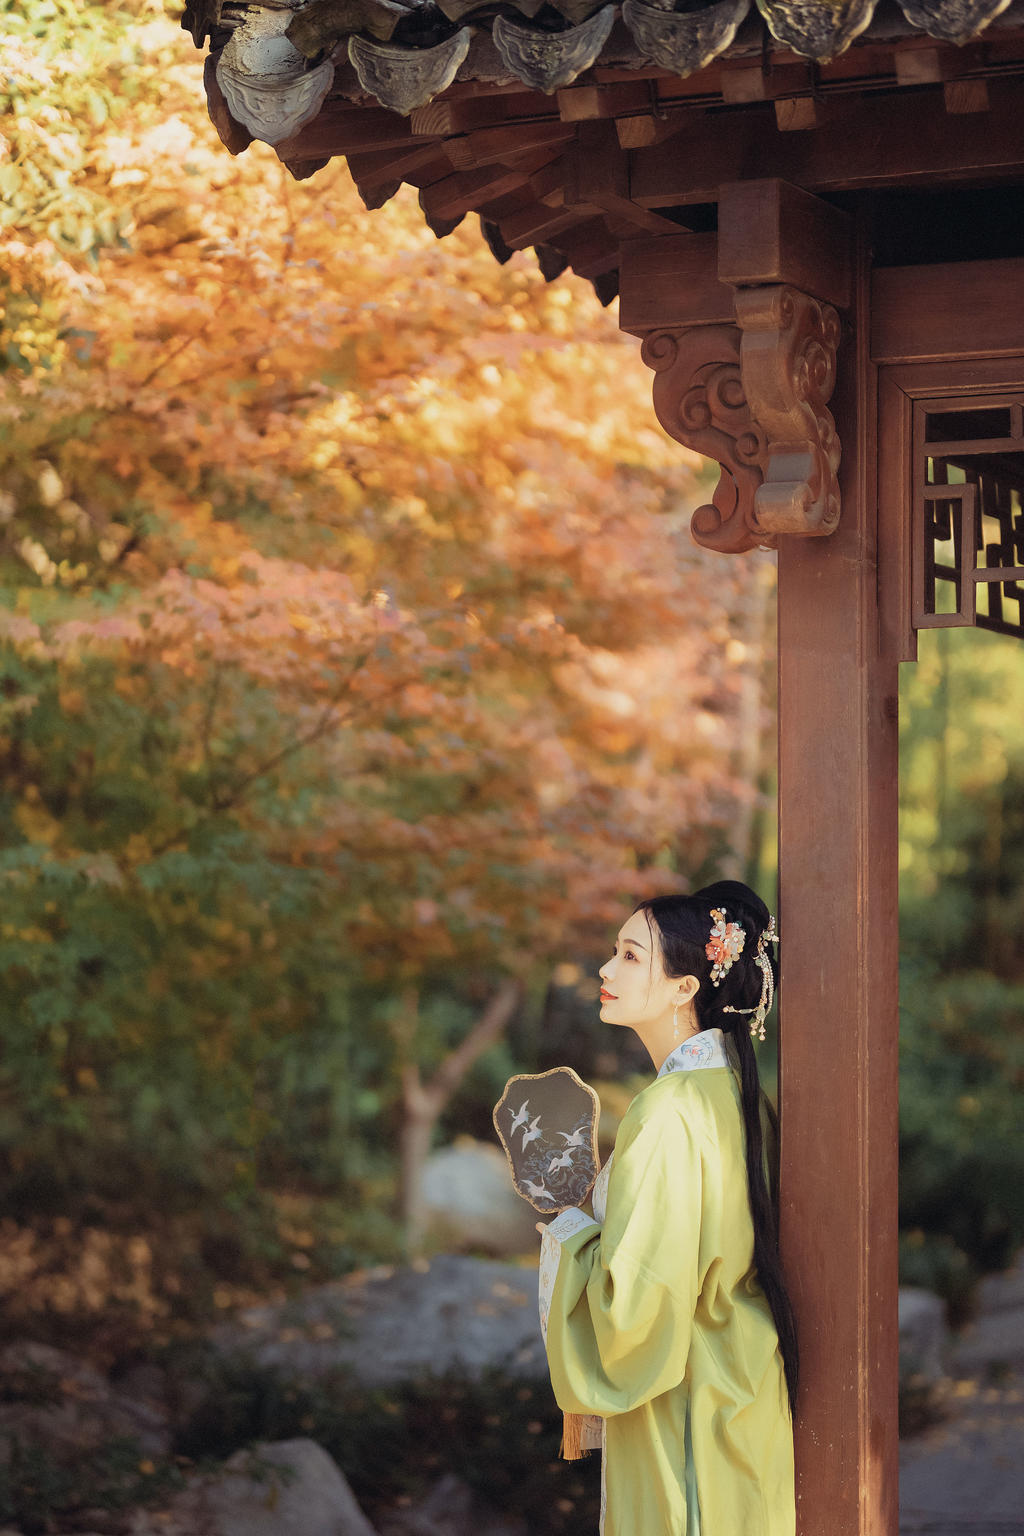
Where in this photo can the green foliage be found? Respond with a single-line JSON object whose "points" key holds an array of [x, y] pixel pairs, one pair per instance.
{"points": [[962, 975], [501, 1436], [39, 1488]]}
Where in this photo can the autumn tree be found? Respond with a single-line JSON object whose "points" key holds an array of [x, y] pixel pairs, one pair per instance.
{"points": [[356, 663]]}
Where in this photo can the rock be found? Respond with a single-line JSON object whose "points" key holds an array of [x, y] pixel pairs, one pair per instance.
{"points": [[924, 1336], [452, 1509], [470, 1204], [290, 1488], [63, 1403], [1003, 1292], [383, 1326], [993, 1344]]}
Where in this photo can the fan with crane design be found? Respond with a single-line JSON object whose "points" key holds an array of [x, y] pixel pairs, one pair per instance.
{"points": [[547, 1124]]}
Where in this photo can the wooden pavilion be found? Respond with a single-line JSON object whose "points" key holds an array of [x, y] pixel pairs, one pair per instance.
{"points": [[813, 214]]}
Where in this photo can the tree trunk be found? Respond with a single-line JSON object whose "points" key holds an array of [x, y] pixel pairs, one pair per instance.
{"points": [[424, 1103]]}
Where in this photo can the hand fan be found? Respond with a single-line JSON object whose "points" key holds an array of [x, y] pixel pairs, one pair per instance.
{"points": [[547, 1124]]}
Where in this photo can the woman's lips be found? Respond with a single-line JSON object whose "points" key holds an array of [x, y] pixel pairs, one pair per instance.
{"points": [[607, 997]]}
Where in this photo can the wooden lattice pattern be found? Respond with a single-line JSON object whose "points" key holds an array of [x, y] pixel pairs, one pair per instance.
{"points": [[969, 534]]}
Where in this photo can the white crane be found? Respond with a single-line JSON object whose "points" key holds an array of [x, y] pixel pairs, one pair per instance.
{"points": [[577, 1139], [519, 1116], [533, 1134], [561, 1160]]}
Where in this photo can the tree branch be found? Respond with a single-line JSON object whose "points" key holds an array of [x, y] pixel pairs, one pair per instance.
{"points": [[487, 1031]]}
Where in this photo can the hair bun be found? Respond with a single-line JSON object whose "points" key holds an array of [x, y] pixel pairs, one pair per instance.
{"points": [[740, 902]]}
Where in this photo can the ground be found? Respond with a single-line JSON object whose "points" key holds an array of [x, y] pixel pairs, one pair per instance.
{"points": [[965, 1476]]}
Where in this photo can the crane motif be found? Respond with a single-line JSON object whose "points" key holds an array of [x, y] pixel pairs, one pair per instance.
{"points": [[533, 1134], [519, 1116], [560, 1160], [576, 1139]]}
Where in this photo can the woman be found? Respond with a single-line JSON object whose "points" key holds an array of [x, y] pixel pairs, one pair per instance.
{"points": [[665, 1313]]}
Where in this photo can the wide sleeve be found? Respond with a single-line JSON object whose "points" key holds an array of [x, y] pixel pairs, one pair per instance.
{"points": [[623, 1299]]}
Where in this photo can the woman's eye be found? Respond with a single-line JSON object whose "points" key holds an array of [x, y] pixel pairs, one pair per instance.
{"points": [[630, 955]]}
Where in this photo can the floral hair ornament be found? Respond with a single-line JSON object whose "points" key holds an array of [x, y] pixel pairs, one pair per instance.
{"points": [[725, 945], [764, 965]]}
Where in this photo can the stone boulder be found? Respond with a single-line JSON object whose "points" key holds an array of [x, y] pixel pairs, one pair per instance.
{"points": [[992, 1344], [384, 1326], [51, 1398], [290, 1488], [451, 1509], [924, 1337], [470, 1204]]}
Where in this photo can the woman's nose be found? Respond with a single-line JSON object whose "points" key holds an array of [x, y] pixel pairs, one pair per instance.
{"points": [[606, 971]]}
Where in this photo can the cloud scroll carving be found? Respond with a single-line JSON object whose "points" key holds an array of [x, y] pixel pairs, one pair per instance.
{"points": [[700, 400], [788, 364], [754, 397]]}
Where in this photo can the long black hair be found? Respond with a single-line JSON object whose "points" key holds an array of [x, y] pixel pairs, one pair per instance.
{"points": [[683, 925]]}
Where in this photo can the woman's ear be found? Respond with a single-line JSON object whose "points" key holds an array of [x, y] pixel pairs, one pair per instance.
{"points": [[687, 990]]}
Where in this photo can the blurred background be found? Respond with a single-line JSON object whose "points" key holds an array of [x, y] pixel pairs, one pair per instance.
{"points": [[356, 675]]}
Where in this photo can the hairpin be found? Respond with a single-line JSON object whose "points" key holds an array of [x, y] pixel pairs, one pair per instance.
{"points": [[725, 945], [761, 960]]}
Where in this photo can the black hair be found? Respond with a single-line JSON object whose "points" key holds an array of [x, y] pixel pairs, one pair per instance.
{"points": [[683, 925]]}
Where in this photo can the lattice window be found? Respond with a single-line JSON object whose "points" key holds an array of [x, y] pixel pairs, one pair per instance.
{"points": [[969, 530]]}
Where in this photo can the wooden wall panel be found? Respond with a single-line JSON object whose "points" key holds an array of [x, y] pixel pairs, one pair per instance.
{"points": [[965, 308]]}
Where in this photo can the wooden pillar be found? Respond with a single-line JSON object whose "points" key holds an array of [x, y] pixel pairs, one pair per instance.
{"points": [[838, 718]]}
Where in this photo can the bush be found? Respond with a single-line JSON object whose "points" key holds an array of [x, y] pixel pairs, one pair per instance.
{"points": [[38, 1487], [500, 1436]]}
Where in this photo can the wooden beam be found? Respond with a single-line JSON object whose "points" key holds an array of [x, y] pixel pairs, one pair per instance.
{"points": [[922, 66], [639, 132], [591, 250], [461, 193], [898, 140], [921, 314], [772, 232], [375, 171], [463, 115], [598, 175], [343, 130], [795, 114], [538, 224], [963, 96], [744, 84], [838, 839], [548, 184], [490, 146], [582, 103], [672, 281]]}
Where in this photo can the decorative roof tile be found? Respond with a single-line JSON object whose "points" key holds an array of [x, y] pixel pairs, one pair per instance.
{"points": [[547, 43], [687, 41], [955, 21], [406, 78], [547, 60], [817, 29]]}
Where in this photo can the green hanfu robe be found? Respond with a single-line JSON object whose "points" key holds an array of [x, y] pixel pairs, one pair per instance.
{"points": [[654, 1320]]}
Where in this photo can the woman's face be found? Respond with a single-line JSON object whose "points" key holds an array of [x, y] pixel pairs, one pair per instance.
{"points": [[635, 990]]}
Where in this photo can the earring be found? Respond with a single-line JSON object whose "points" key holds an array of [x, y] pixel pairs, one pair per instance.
{"points": [[675, 1020]]}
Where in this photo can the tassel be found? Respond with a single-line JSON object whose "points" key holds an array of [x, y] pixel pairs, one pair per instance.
{"points": [[572, 1437]]}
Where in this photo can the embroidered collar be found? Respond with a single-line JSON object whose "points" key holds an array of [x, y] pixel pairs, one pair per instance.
{"points": [[704, 1050]]}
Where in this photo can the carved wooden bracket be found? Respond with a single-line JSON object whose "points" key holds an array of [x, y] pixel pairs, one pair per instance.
{"points": [[700, 401], [788, 366], [754, 396]]}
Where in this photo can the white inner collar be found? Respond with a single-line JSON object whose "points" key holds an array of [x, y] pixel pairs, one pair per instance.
{"points": [[706, 1049]]}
